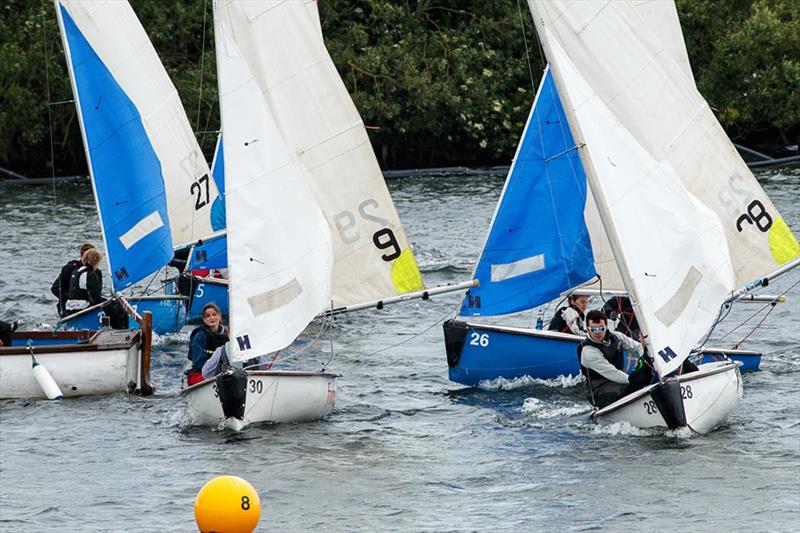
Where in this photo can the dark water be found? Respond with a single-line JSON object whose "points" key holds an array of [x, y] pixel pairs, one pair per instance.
{"points": [[405, 449]]}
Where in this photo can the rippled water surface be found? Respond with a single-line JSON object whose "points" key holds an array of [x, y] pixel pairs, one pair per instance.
{"points": [[405, 449]]}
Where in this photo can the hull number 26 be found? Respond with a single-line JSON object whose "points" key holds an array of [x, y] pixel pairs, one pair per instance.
{"points": [[479, 339]]}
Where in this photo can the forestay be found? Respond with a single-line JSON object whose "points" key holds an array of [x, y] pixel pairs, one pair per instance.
{"points": [[279, 243], [318, 121], [151, 181], [617, 82]]}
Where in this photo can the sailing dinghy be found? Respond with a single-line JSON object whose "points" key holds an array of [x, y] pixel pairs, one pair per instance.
{"points": [[310, 224], [77, 363], [547, 219], [661, 170], [151, 182]]}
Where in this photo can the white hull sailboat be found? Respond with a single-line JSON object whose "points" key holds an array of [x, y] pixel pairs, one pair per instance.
{"points": [[271, 396], [81, 363], [311, 227], [685, 219], [699, 400]]}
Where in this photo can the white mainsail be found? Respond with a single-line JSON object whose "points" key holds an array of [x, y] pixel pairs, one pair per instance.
{"points": [[670, 246], [117, 36], [279, 244], [637, 73], [662, 18], [319, 122]]}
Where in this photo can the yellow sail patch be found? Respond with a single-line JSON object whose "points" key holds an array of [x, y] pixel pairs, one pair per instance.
{"points": [[405, 274], [782, 244]]}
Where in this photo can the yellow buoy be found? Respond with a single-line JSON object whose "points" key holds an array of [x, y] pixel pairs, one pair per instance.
{"points": [[227, 504]]}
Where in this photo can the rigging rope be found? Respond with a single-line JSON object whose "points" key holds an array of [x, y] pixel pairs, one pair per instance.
{"points": [[49, 109], [527, 53]]}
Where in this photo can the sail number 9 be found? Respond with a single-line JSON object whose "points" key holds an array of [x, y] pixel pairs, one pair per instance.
{"points": [[384, 239], [756, 215], [197, 189]]}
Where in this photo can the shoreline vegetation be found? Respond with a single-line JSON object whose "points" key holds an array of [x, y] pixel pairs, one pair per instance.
{"points": [[437, 82]]}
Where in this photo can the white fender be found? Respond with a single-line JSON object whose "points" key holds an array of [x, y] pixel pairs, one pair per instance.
{"points": [[46, 381]]}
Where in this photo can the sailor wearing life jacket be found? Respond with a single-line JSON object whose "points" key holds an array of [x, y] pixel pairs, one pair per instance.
{"points": [[60, 287], [204, 341], [602, 362], [570, 319], [85, 284]]}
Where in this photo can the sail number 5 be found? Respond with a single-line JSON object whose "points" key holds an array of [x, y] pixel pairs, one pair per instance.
{"points": [[479, 339]]}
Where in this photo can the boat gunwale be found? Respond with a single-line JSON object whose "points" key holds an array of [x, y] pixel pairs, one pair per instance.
{"points": [[92, 345], [277, 373], [725, 366]]}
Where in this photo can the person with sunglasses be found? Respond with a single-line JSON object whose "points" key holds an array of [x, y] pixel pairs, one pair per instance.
{"points": [[602, 359]]}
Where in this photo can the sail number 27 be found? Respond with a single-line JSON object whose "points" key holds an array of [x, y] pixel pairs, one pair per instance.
{"points": [[198, 189]]}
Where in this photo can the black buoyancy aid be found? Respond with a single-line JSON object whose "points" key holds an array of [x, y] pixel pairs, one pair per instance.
{"points": [[612, 351], [214, 339], [558, 323], [77, 290]]}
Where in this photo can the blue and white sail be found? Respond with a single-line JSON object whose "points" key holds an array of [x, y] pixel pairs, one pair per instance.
{"points": [[538, 245], [151, 181]]}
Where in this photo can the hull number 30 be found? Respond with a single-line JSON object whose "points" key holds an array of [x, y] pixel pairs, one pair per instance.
{"points": [[479, 339]]}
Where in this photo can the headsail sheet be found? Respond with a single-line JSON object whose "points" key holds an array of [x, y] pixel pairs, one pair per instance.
{"points": [[279, 243], [538, 245], [121, 46], [627, 99], [326, 136]]}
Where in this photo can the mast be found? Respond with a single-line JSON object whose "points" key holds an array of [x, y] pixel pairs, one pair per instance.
{"points": [[68, 56], [597, 190]]}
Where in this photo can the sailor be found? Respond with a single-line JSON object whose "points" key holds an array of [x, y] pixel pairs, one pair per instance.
{"points": [[570, 319], [602, 362], [85, 289], [85, 284], [621, 316], [6, 329], [204, 340], [60, 287]]}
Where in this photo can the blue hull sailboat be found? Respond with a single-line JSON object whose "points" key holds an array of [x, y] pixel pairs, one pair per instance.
{"points": [[541, 244], [151, 182]]}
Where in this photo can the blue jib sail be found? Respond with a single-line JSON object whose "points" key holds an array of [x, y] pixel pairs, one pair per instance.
{"points": [[538, 245], [126, 172]]}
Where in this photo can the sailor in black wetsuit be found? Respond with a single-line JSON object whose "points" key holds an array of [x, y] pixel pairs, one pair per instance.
{"points": [[85, 289], [60, 287], [570, 319], [603, 362]]}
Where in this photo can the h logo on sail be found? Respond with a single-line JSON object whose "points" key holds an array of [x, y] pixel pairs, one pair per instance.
{"points": [[244, 342], [667, 354]]}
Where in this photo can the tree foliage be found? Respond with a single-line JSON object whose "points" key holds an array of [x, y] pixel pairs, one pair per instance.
{"points": [[437, 81]]}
